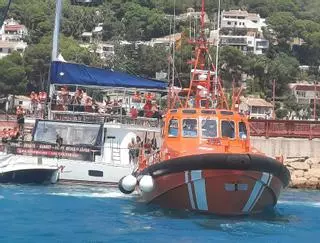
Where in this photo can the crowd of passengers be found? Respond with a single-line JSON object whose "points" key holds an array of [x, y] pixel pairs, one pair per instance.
{"points": [[9, 134], [79, 101], [137, 147], [38, 102]]}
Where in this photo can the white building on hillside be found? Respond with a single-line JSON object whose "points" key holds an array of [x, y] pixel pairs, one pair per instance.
{"points": [[239, 19], [256, 108], [242, 30], [11, 37], [7, 47], [191, 14], [305, 93]]}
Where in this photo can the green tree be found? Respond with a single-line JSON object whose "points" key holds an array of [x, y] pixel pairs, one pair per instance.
{"points": [[232, 62], [13, 76]]}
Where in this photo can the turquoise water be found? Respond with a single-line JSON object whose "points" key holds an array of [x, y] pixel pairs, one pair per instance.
{"points": [[63, 213]]}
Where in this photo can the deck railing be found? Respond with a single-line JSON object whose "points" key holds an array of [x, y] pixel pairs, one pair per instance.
{"points": [[285, 128], [105, 118], [259, 127]]}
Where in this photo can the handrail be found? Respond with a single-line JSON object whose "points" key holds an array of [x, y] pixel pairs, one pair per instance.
{"points": [[106, 118], [285, 128]]}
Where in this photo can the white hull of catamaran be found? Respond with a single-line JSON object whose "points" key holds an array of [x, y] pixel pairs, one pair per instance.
{"points": [[75, 171]]}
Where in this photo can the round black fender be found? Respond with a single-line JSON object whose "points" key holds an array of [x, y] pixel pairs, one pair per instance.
{"points": [[121, 187]]}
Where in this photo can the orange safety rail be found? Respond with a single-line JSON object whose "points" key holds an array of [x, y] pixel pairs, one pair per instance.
{"points": [[285, 128]]}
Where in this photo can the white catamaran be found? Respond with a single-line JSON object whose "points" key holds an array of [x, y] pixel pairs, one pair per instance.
{"points": [[90, 142]]}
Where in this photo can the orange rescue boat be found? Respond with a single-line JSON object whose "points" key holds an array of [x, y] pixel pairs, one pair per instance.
{"points": [[206, 162]]}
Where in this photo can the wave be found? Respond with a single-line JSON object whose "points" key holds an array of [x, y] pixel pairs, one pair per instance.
{"points": [[92, 194], [301, 203]]}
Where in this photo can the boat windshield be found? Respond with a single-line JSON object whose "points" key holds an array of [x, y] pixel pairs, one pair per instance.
{"points": [[173, 128], [190, 127], [72, 133], [227, 129], [242, 130], [209, 128]]}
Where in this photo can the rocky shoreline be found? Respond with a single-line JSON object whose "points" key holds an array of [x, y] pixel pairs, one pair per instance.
{"points": [[305, 172]]}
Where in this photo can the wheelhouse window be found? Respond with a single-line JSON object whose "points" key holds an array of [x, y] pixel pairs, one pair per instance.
{"points": [[190, 128], [227, 129], [173, 128], [209, 128], [242, 130]]}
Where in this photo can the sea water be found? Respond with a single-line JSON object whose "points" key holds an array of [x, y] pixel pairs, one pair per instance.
{"points": [[60, 213]]}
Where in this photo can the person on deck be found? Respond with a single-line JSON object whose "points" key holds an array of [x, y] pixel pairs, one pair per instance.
{"points": [[5, 135], [132, 151], [147, 147], [59, 141], [20, 117], [14, 134], [133, 113], [147, 109]]}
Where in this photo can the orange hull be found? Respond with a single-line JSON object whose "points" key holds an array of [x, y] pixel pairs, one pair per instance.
{"points": [[222, 192], [224, 184]]}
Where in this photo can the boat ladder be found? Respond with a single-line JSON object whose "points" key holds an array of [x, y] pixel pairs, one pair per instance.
{"points": [[116, 158]]}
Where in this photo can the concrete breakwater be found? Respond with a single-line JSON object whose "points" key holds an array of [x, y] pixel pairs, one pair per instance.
{"points": [[305, 172], [302, 158]]}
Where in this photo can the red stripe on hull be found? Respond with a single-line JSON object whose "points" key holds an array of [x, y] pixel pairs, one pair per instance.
{"points": [[225, 192]]}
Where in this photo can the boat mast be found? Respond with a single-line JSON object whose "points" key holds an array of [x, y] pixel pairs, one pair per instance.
{"points": [[55, 38], [200, 77], [55, 47], [217, 57]]}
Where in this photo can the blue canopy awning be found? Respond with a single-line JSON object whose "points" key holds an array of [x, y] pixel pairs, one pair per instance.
{"points": [[63, 73]]}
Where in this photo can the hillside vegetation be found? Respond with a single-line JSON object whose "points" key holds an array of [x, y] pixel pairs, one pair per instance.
{"points": [[134, 20]]}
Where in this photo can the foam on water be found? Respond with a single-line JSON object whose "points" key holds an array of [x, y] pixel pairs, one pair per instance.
{"points": [[301, 203], [106, 194]]}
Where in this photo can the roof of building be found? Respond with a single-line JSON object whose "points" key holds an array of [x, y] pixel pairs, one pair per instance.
{"points": [[304, 86], [173, 37], [256, 102], [13, 27]]}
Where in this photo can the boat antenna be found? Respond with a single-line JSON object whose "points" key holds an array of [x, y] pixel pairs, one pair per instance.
{"points": [[169, 67], [174, 41], [217, 57]]}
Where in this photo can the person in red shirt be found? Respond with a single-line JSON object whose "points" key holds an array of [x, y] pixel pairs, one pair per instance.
{"points": [[133, 113], [147, 109]]}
